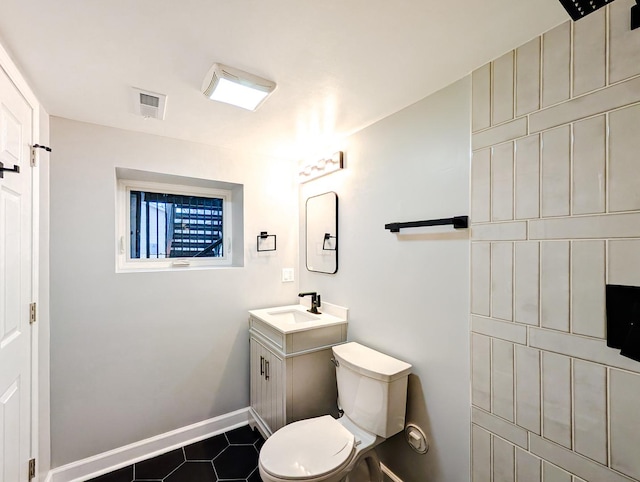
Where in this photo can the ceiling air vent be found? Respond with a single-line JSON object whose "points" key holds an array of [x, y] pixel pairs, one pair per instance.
{"points": [[149, 104]]}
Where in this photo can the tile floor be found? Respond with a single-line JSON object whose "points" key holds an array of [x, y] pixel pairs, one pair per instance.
{"points": [[228, 457]]}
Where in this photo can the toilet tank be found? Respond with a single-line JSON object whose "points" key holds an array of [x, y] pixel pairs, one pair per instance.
{"points": [[372, 388]]}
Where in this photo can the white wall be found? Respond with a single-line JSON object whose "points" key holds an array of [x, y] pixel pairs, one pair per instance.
{"points": [[138, 354], [408, 294]]}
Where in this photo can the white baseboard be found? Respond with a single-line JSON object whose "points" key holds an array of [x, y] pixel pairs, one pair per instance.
{"points": [[393, 477], [144, 449]]}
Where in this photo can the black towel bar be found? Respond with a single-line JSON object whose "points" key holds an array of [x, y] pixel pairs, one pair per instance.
{"points": [[459, 222]]}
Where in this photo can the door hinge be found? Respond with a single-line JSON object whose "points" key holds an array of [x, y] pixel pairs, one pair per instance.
{"points": [[32, 469], [32, 313], [33, 152]]}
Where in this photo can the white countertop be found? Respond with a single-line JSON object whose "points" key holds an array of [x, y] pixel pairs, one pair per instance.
{"points": [[275, 318]]}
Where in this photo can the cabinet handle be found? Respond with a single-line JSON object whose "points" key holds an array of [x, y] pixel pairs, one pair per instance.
{"points": [[266, 370], [261, 365]]}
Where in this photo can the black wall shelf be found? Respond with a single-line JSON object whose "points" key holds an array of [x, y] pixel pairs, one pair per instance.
{"points": [[458, 222]]}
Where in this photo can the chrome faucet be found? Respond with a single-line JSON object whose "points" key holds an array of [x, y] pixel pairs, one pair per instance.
{"points": [[315, 301]]}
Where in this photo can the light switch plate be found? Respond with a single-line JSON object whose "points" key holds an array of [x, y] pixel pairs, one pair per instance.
{"points": [[287, 275]]}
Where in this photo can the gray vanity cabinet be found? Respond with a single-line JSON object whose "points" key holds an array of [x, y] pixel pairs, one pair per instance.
{"points": [[292, 377]]}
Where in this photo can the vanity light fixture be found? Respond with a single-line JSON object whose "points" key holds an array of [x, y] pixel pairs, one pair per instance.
{"points": [[321, 167], [236, 87]]}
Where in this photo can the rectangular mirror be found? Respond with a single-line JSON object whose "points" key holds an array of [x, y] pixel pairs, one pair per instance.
{"points": [[321, 232]]}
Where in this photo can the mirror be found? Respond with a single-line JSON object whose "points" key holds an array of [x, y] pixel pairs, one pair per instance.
{"points": [[321, 233]]}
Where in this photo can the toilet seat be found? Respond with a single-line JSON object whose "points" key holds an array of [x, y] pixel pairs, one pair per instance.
{"points": [[308, 449]]}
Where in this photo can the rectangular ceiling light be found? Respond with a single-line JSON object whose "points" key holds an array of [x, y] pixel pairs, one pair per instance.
{"points": [[233, 86]]}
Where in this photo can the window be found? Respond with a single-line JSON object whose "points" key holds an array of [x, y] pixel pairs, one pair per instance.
{"points": [[166, 226]]}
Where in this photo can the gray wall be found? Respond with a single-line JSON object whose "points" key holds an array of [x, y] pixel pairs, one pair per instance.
{"points": [[137, 354], [556, 216], [408, 293]]}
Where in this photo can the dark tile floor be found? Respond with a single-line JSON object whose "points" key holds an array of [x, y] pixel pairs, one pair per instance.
{"points": [[228, 457]]}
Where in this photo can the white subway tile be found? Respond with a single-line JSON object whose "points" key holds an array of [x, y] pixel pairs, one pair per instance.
{"points": [[589, 53], [556, 398], [624, 145], [481, 97], [624, 44], [502, 379], [527, 280], [481, 278], [528, 177], [527, 467], [587, 227], [502, 93], [502, 280], [556, 64], [551, 473], [556, 171], [576, 346], [589, 148], [624, 261], [514, 231], [554, 296], [625, 423], [500, 427], [598, 102], [528, 388], [481, 186], [590, 406], [504, 461], [505, 330], [480, 455], [481, 371], [528, 77], [502, 133], [572, 462], [588, 314], [502, 182]]}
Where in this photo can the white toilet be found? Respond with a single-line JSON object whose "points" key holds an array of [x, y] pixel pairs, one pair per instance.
{"points": [[372, 391]]}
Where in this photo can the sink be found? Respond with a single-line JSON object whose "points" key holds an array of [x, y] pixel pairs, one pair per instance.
{"points": [[293, 316]]}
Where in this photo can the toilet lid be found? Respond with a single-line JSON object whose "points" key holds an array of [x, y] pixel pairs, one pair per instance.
{"points": [[306, 449]]}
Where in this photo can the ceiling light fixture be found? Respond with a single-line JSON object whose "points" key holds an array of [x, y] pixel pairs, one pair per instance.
{"points": [[233, 86]]}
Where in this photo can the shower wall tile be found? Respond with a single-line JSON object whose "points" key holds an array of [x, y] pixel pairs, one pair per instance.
{"points": [[502, 133], [481, 278], [528, 77], [500, 427], [481, 186], [504, 330], [556, 171], [502, 280], [527, 280], [502, 380], [551, 473], [481, 371], [507, 231], [556, 65], [589, 53], [590, 405], [624, 260], [586, 227], [589, 159], [528, 388], [554, 296], [502, 182], [527, 177], [502, 89], [625, 43], [481, 97], [504, 461], [625, 420], [556, 398], [527, 467], [480, 455], [624, 145], [588, 288]]}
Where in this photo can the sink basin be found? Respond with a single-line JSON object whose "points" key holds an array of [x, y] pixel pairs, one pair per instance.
{"points": [[293, 316]]}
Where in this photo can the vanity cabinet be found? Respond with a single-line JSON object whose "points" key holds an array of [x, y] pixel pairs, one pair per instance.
{"points": [[292, 376]]}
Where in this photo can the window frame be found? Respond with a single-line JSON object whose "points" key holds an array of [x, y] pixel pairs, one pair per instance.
{"points": [[124, 262]]}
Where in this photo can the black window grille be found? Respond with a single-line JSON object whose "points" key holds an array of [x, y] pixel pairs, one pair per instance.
{"points": [[175, 226]]}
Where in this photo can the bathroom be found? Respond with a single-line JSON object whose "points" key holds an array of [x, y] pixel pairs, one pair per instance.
{"points": [[135, 355]]}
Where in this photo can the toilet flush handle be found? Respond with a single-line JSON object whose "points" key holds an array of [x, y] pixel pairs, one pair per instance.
{"points": [[335, 362]]}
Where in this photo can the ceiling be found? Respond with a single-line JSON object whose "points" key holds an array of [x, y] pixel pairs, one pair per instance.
{"points": [[339, 65]]}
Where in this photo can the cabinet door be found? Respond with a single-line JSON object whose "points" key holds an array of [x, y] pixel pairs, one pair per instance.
{"points": [[275, 390]]}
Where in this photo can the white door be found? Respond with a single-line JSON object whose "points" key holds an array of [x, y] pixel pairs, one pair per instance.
{"points": [[15, 284]]}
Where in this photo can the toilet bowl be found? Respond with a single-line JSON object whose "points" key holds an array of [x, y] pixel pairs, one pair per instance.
{"points": [[372, 389]]}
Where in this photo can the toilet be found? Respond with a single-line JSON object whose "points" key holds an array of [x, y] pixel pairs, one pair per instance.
{"points": [[372, 392]]}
